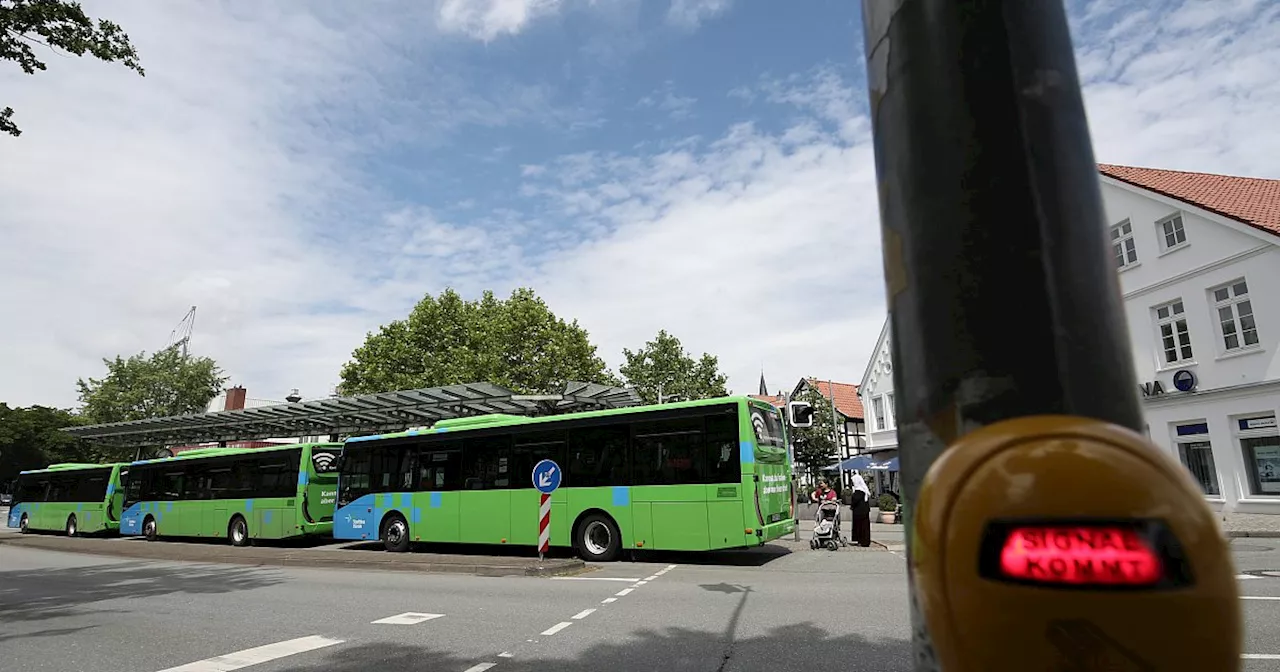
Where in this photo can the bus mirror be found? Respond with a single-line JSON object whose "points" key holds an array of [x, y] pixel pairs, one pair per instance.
{"points": [[800, 414]]}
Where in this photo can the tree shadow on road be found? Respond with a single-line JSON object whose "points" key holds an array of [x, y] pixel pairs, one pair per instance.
{"points": [[39, 594]]}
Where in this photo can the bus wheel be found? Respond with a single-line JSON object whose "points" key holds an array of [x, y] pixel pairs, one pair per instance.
{"points": [[395, 534], [597, 538], [238, 531], [149, 529], [72, 528], [22, 524]]}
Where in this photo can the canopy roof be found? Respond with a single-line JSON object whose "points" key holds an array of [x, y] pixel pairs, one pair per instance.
{"points": [[385, 412]]}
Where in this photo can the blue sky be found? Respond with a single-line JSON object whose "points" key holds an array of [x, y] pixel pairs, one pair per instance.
{"points": [[304, 173]]}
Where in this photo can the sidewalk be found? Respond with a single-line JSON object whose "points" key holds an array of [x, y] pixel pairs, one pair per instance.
{"points": [[885, 537]]}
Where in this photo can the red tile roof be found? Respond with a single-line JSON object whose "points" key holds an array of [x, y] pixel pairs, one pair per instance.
{"points": [[847, 401], [1250, 200], [778, 400]]}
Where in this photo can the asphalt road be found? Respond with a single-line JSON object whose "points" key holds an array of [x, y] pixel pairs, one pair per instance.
{"points": [[761, 611]]}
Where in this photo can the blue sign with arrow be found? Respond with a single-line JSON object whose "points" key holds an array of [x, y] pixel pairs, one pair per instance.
{"points": [[546, 476]]}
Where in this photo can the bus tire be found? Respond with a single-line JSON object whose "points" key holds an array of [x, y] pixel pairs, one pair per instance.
{"points": [[149, 529], [395, 533], [238, 531], [73, 529], [22, 524], [596, 538]]}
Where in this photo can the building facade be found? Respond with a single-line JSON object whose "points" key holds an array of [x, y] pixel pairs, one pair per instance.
{"points": [[876, 392], [1198, 258]]}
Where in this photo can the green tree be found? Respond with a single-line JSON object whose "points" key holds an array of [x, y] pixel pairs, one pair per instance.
{"points": [[30, 438], [815, 445], [517, 343], [60, 26], [664, 363], [166, 383]]}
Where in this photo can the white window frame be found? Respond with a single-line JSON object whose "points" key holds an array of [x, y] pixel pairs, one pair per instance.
{"points": [[1172, 315], [1123, 245], [1232, 304], [1181, 443], [1240, 435], [1177, 225], [877, 413], [890, 413]]}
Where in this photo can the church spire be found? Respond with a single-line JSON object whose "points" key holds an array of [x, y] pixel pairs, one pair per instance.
{"points": [[764, 389]]}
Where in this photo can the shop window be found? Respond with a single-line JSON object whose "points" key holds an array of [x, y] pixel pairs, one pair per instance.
{"points": [[1196, 454]]}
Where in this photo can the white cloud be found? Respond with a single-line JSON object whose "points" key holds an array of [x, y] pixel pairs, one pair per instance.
{"points": [[666, 99], [690, 14], [488, 19]]}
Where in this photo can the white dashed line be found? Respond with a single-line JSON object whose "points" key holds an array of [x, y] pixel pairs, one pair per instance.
{"points": [[481, 667], [1258, 597], [407, 618], [608, 600], [557, 628], [1245, 577], [1261, 656], [640, 583], [256, 655], [650, 578], [624, 592], [591, 578], [504, 654], [583, 614]]}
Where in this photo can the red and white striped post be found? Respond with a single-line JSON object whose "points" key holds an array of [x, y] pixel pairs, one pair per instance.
{"points": [[544, 526]]}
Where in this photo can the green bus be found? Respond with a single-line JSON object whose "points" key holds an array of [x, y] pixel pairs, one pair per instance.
{"points": [[690, 476], [238, 493], [74, 498]]}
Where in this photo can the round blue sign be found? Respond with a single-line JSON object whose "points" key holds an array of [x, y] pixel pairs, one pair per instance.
{"points": [[546, 476], [1184, 380]]}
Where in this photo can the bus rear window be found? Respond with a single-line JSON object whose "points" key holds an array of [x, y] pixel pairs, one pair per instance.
{"points": [[767, 426]]}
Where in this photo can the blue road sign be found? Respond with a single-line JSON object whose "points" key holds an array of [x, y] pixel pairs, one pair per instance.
{"points": [[546, 476]]}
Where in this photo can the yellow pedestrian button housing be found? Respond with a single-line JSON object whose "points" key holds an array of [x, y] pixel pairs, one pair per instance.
{"points": [[1060, 543]]}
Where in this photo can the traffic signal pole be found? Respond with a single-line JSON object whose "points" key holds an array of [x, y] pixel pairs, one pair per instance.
{"points": [[1002, 292]]}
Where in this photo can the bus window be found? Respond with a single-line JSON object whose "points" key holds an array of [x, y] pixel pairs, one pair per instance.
{"points": [[135, 486], [92, 486], [598, 456], [439, 466], [167, 485], [669, 452], [723, 455], [391, 468], [486, 462], [767, 426], [195, 485], [530, 448]]}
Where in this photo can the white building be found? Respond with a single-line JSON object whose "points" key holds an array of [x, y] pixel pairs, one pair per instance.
{"points": [[876, 392], [1199, 263]]}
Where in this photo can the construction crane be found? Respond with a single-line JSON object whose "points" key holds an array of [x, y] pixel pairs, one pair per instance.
{"points": [[181, 334]]}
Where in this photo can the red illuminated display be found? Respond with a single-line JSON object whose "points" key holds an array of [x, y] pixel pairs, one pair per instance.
{"points": [[1079, 555]]}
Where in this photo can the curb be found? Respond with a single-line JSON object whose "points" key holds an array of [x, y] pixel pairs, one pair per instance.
{"points": [[1257, 534], [423, 563]]}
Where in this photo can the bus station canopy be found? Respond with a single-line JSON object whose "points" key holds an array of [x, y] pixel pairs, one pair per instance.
{"points": [[363, 414]]}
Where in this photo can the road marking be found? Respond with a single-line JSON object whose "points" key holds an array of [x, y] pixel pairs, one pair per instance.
{"points": [[650, 578], [1261, 656], [608, 600], [1245, 577], [583, 614], [641, 583], [1258, 597], [481, 667], [590, 578], [256, 655], [557, 627], [407, 618], [504, 654], [624, 592]]}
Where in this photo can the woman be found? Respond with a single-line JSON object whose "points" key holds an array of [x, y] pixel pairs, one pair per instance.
{"points": [[861, 512]]}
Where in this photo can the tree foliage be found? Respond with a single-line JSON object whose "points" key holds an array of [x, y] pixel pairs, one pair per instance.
{"points": [[664, 362], [56, 25], [30, 439], [517, 343], [166, 383], [815, 445]]}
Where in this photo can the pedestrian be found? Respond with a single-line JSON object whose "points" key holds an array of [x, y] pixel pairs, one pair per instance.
{"points": [[861, 512]]}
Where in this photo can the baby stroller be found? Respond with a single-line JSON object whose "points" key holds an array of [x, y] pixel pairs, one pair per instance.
{"points": [[826, 528]]}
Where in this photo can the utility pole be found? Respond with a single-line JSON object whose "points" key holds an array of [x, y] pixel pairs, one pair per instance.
{"points": [[988, 182]]}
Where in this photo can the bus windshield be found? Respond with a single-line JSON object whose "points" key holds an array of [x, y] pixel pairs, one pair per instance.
{"points": [[768, 427]]}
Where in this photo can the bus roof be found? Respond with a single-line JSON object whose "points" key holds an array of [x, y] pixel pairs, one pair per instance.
{"points": [[505, 420], [200, 453], [71, 466]]}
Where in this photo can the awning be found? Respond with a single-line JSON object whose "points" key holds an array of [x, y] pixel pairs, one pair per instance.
{"points": [[368, 413]]}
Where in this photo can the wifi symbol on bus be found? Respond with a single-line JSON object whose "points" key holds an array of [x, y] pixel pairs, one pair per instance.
{"points": [[323, 461]]}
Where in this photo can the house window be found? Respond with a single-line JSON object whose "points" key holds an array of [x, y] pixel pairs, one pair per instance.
{"points": [[1260, 443], [1196, 454], [1172, 232], [877, 409], [890, 410], [1235, 316], [1122, 244], [1175, 339]]}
